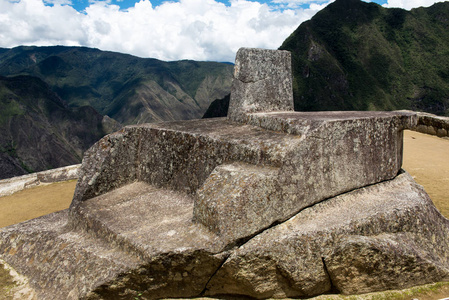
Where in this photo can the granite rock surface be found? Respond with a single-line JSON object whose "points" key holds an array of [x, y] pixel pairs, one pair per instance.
{"points": [[432, 124], [269, 203], [262, 82], [385, 236], [314, 157]]}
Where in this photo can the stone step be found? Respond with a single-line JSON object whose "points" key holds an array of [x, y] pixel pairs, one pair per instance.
{"points": [[238, 200], [155, 225], [138, 217], [176, 155], [61, 263], [136, 234], [291, 160]]}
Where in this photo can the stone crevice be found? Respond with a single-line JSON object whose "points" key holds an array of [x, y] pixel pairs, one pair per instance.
{"points": [[242, 241], [245, 240], [333, 288], [251, 81], [227, 254]]}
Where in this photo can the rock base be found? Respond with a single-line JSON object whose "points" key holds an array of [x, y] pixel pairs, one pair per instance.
{"points": [[266, 204], [140, 240]]}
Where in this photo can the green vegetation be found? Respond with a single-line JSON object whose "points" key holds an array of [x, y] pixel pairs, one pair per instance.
{"points": [[39, 131], [53, 100], [354, 55], [9, 148], [6, 283], [426, 292], [9, 105], [85, 76]]}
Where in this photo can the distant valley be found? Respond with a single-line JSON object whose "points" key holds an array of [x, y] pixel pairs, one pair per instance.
{"points": [[39, 131], [352, 55], [57, 101], [129, 89]]}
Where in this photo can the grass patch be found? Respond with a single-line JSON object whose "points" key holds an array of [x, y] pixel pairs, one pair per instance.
{"points": [[425, 158], [6, 283], [433, 291]]}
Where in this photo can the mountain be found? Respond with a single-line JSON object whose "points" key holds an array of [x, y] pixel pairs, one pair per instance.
{"points": [[354, 55], [129, 89], [218, 108], [55, 102], [39, 131]]}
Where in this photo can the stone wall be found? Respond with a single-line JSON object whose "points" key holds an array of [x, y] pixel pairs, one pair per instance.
{"points": [[432, 124], [15, 184]]}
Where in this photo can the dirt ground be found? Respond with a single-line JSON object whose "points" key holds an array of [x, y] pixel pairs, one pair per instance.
{"points": [[35, 202], [425, 158]]}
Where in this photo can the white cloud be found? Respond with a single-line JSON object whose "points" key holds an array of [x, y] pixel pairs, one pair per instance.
{"points": [[189, 29], [31, 22], [302, 3], [193, 29], [409, 4]]}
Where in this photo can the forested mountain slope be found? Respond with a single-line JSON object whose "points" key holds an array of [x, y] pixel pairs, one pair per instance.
{"points": [[39, 131], [55, 102], [127, 88], [354, 55]]}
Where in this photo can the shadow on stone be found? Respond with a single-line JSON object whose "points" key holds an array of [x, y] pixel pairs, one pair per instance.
{"points": [[267, 203]]}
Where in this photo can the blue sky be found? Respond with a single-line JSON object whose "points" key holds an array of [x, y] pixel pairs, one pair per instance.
{"points": [[80, 5], [209, 30]]}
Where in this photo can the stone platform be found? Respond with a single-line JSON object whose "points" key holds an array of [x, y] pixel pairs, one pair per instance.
{"points": [[309, 158], [262, 204]]}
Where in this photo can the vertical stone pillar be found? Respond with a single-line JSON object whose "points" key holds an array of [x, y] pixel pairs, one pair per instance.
{"points": [[262, 83]]}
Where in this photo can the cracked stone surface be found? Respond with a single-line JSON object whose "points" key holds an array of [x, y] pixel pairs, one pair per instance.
{"points": [[333, 154], [267, 203], [385, 236], [61, 263]]}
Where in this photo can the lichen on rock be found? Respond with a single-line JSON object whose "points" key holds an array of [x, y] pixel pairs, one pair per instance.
{"points": [[268, 203]]}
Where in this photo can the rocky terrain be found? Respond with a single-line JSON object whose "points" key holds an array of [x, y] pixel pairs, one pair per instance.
{"points": [[424, 159]]}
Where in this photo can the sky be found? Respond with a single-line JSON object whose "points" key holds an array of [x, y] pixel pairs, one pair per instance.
{"points": [[204, 30]]}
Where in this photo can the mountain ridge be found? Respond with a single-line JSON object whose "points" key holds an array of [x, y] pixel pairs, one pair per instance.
{"points": [[87, 76], [57, 101], [354, 55], [40, 131]]}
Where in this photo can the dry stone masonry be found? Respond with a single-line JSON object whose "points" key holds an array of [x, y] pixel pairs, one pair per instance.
{"points": [[12, 185], [434, 125], [267, 203]]}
